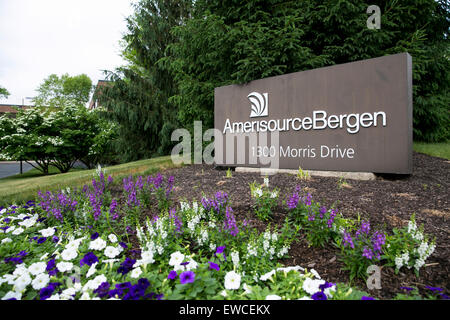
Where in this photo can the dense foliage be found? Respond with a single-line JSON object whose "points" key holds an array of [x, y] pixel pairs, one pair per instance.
{"points": [[56, 137], [179, 51], [59, 91]]}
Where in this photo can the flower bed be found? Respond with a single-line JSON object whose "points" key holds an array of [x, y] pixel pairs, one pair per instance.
{"points": [[95, 243]]}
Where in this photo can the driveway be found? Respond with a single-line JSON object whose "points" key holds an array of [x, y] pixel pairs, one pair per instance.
{"points": [[10, 168]]}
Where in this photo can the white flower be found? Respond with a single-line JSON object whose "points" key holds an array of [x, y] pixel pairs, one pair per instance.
{"points": [[274, 194], [28, 223], [305, 298], [267, 275], [315, 273], [111, 252], [44, 257], [179, 267], [20, 270], [112, 238], [85, 296], [64, 266], [6, 240], [48, 232], [12, 295], [69, 292], [136, 273], [247, 289], [147, 257], [223, 293], [312, 286], [98, 244], [329, 291], [289, 269], [56, 297], [69, 254], [22, 282], [176, 258], [91, 270], [192, 265], [273, 297], [232, 281], [257, 193], [40, 281], [235, 258], [37, 268], [18, 231]]}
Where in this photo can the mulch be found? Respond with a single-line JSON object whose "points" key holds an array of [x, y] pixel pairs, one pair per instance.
{"points": [[387, 202]]}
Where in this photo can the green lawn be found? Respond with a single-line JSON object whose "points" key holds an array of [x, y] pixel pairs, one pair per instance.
{"points": [[20, 188], [441, 150]]}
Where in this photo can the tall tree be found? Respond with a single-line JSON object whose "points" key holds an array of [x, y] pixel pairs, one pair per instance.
{"points": [[139, 99], [59, 91]]}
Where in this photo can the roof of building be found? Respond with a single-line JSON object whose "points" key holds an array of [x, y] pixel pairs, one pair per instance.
{"points": [[12, 108]]}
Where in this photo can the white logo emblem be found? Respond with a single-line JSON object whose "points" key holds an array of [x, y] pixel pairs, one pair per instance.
{"points": [[260, 104]]}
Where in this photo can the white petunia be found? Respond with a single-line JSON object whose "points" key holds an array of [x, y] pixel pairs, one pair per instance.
{"points": [[97, 244], [312, 286], [22, 282], [40, 281], [91, 270], [37, 268], [6, 240], [176, 258], [192, 265], [232, 281], [111, 252], [112, 238], [147, 257], [12, 295], [267, 275], [47, 232], [315, 273], [273, 297], [64, 266], [247, 289], [18, 231], [136, 272], [69, 254], [28, 223]]}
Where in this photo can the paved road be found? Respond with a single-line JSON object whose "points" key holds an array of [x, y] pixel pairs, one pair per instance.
{"points": [[11, 168]]}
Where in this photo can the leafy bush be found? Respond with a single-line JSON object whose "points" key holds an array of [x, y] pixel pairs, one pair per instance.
{"points": [[408, 247], [320, 224], [265, 199], [361, 249]]}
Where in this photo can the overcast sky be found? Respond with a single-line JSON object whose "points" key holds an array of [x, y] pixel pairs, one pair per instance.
{"points": [[41, 37]]}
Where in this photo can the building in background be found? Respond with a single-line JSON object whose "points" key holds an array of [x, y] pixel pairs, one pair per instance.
{"points": [[12, 109], [96, 97]]}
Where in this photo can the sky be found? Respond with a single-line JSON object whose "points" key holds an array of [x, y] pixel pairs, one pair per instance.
{"points": [[43, 37]]}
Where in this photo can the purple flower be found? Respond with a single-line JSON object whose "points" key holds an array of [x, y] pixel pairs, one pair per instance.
{"points": [[406, 288], [46, 292], [123, 245], [367, 298], [102, 290], [367, 253], [143, 284], [94, 236], [322, 211], [41, 240], [125, 285], [319, 296], [187, 277], [326, 285], [293, 201], [434, 289], [230, 222], [172, 275], [348, 240], [126, 266], [89, 259], [55, 239], [213, 266]]}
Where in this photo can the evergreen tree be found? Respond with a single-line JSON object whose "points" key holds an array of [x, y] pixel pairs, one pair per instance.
{"points": [[139, 99]]}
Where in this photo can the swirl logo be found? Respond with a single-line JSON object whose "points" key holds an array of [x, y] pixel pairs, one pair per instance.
{"points": [[260, 104]]}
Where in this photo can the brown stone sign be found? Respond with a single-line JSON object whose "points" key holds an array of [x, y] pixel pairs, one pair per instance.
{"points": [[350, 117]]}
